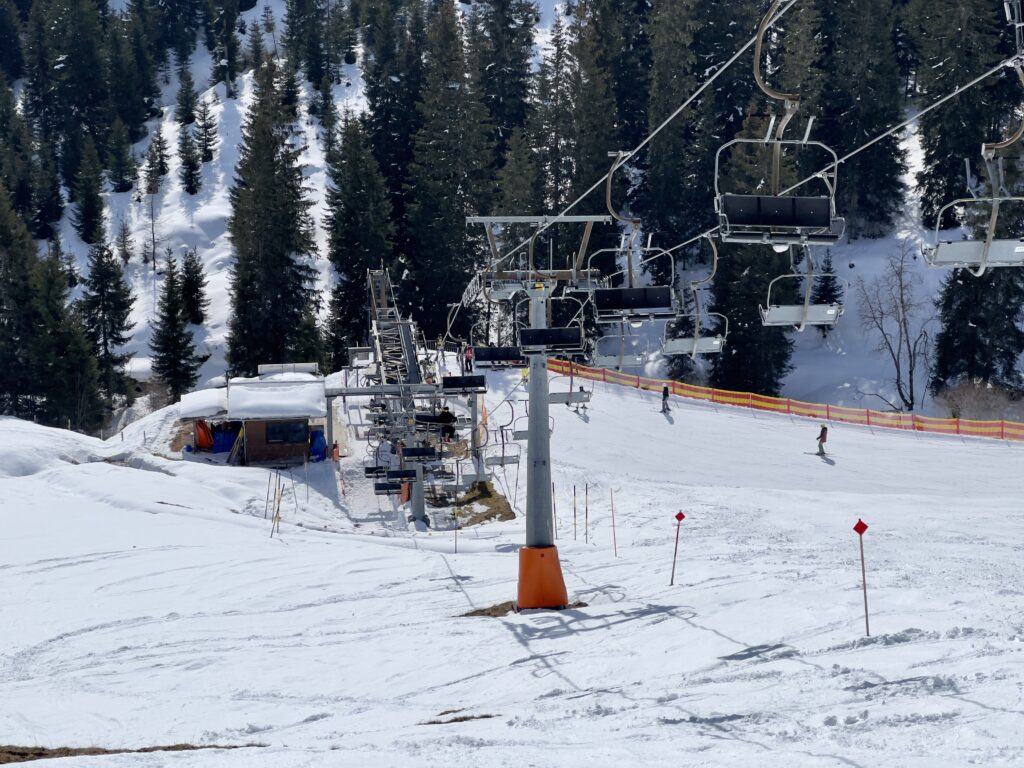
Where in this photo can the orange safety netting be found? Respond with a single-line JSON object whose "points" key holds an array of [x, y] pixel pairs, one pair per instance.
{"points": [[1000, 430]]}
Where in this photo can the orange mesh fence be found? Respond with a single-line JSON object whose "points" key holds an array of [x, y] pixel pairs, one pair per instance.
{"points": [[998, 430]]}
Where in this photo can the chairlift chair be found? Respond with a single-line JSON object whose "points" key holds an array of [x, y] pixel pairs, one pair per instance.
{"points": [[976, 256], [778, 219], [510, 454], [620, 350], [803, 314], [697, 343], [579, 396]]}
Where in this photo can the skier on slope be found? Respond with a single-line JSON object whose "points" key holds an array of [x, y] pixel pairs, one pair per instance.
{"points": [[664, 399], [822, 438]]}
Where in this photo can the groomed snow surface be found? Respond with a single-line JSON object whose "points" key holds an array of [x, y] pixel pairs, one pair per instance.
{"points": [[145, 603]]}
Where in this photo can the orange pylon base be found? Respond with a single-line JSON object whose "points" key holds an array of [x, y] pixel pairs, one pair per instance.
{"points": [[540, 579]]}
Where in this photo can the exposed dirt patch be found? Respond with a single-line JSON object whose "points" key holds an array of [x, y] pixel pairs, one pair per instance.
{"points": [[182, 435], [509, 606], [484, 494], [11, 754], [458, 719]]}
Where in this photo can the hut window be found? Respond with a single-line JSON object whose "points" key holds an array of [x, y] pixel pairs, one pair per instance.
{"points": [[287, 432]]}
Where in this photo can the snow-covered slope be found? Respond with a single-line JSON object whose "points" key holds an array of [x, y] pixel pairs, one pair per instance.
{"points": [[145, 603]]}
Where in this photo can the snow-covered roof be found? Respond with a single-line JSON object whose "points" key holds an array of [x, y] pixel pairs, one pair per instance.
{"points": [[274, 399], [203, 404]]}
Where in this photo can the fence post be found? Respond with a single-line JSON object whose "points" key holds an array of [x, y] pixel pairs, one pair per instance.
{"points": [[1002, 429], [828, 413], [958, 425], [867, 413], [789, 406]]}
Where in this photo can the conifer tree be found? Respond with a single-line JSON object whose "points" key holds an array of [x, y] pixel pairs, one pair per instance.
{"points": [[66, 259], [507, 27], [47, 201], [980, 340], [10, 41], [152, 179], [554, 126], [225, 44], [860, 59], [188, 154], [121, 168], [448, 179], [185, 108], [826, 289], [160, 154], [64, 369], [254, 50], [957, 41], [672, 80], [328, 117], [131, 72], [206, 131], [175, 362], [17, 160], [359, 232], [124, 244], [106, 307], [88, 217], [194, 300], [18, 327], [271, 233], [520, 185]]}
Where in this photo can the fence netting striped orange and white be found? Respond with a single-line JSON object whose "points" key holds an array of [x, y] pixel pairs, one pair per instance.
{"points": [[997, 430]]}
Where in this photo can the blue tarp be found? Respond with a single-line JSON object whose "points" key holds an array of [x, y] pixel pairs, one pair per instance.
{"points": [[317, 445], [223, 440]]}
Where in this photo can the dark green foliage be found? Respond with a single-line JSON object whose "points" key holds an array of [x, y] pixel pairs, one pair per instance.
{"points": [[981, 340], [206, 131], [18, 327], [124, 244], [359, 235], [223, 42], [188, 154], [447, 181], [289, 93], [271, 293], [158, 156], [106, 306], [121, 168], [88, 216], [519, 181], [506, 53], [185, 110], [254, 51], [11, 62], [672, 80], [862, 98], [17, 161], [62, 357], [194, 300], [756, 358], [132, 73], [328, 117], [957, 41], [47, 202], [827, 289], [175, 362]]}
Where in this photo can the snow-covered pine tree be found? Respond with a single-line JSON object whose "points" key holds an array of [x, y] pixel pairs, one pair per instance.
{"points": [[121, 167], [88, 217], [106, 306], [190, 170], [827, 289], [271, 232], [187, 99], [175, 362], [447, 181], [359, 233], [206, 131], [194, 300]]}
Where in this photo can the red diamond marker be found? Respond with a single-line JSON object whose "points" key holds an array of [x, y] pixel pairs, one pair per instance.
{"points": [[860, 527], [680, 516]]}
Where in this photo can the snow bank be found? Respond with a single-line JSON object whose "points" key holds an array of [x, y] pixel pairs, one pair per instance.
{"points": [[268, 399]]}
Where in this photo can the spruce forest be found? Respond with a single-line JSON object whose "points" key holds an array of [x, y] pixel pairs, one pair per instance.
{"points": [[367, 130]]}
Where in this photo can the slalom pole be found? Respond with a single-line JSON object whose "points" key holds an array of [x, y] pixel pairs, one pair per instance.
{"points": [[574, 513], [266, 504], [679, 522], [586, 513], [615, 543], [554, 508], [860, 528]]}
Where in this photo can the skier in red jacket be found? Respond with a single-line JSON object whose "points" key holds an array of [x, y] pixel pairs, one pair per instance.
{"points": [[822, 438]]}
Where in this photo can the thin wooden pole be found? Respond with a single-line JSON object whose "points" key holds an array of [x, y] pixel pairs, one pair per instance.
{"points": [[675, 554], [586, 513], [574, 513], [615, 543], [266, 505], [554, 508], [864, 583]]}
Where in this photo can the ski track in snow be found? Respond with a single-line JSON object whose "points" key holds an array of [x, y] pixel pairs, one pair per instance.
{"points": [[145, 603]]}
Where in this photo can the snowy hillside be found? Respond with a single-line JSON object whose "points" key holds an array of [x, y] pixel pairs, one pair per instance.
{"points": [[146, 604]]}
